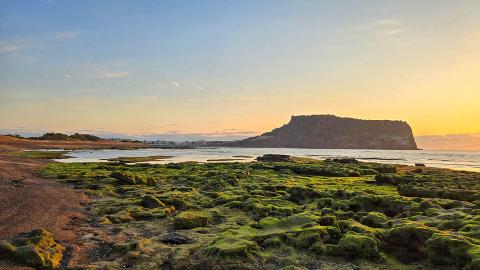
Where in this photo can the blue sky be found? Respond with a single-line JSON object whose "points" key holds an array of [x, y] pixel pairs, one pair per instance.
{"points": [[236, 67]]}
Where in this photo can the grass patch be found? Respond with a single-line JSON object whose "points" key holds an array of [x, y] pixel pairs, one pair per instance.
{"points": [[40, 154]]}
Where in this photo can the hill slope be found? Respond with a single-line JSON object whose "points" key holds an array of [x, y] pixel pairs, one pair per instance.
{"points": [[332, 132]]}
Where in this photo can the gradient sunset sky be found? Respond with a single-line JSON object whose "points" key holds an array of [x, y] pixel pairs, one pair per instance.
{"points": [[237, 67]]}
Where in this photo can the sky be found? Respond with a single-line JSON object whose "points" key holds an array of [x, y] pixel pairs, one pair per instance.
{"points": [[237, 68]]}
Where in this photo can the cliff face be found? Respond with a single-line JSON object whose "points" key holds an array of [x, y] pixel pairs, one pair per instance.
{"points": [[331, 132]]}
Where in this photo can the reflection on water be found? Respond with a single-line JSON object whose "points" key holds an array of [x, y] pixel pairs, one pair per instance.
{"points": [[444, 159]]}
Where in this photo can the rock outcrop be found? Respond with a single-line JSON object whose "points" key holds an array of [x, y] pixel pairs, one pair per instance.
{"points": [[332, 132], [36, 248]]}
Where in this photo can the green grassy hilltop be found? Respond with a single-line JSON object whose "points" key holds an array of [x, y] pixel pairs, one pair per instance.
{"points": [[290, 213]]}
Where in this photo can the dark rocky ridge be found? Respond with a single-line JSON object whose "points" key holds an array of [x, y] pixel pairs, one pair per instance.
{"points": [[332, 132]]}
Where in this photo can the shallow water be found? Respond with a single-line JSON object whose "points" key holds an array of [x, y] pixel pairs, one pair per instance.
{"points": [[443, 159]]}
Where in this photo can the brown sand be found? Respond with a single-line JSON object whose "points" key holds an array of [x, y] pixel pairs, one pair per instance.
{"points": [[28, 202], [11, 143]]}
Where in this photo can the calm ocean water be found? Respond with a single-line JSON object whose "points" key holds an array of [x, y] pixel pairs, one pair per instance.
{"points": [[443, 159]]}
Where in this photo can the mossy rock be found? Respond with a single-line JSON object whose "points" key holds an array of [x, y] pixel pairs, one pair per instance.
{"points": [[446, 249], [328, 220], [36, 248], [127, 178], [374, 220], [192, 219], [310, 236], [471, 230], [134, 245], [358, 246], [455, 224], [389, 205], [230, 245], [407, 242], [151, 202], [474, 254], [274, 158], [274, 241]]}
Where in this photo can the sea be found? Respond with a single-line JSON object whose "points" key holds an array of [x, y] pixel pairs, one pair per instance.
{"points": [[459, 160]]}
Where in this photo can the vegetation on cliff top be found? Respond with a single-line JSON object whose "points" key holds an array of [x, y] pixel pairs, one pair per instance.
{"points": [[53, 136], [292, 214]]}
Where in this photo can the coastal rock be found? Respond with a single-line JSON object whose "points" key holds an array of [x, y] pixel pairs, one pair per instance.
{"points": [[354, 245], [274, 158], [191, 219], [175, 238], [332, 132], [152, 202], [36, 248]]}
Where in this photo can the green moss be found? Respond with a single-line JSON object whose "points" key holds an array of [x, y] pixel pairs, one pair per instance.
{"points": [[273, 214], [375, 220], [454, 224], [310, 236], [328, 220], [40, 154], [129, 179], [36, 248], [192, 219], [445, 249], [152, 202], [407, 242], [7, 250], [357, 246], [228, 244]]}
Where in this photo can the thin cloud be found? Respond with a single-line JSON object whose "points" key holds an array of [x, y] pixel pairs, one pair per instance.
{"points": [[159, 84], [67, 35], [198, 87], [9, 48], [108, 74], [14, 46], [67, 76], [389, 27], [110, 70], [385, 29], [174, 84]]}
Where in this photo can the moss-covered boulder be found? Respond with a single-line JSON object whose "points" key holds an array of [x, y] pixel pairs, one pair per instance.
{"points": [[192, 219], [358, 246], [310, 236], [407, 242], [328, 220], [454, 224], [446, 249], [36, 248], [128, 178], [149, 201], [229, 244], [374, 220], [274, 158], [474, 254]]}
